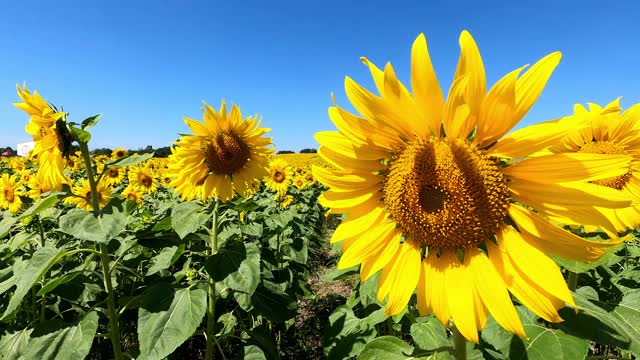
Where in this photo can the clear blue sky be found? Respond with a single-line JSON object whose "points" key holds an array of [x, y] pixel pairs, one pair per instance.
{"points": [[147, 64]]}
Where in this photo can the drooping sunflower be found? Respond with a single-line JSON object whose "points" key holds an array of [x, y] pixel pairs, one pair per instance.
{"points": [[222, 156], [48, 129], [439, 199], [134, 194], [83, 198], [280, 176], [607, 131], [143, 178], [10, 193]]}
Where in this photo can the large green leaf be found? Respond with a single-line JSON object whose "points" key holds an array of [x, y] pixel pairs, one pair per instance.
{"points": [[346, 334], [13, 345], [187, 217], [34, 270], [388, 348], [130, 160], [276, 305], [167, 318], [429, 334], [252, 352], [41, 205], [67, 343], [163, 260], [237, 266], [6, 224], [84, 225], [579, 267]]}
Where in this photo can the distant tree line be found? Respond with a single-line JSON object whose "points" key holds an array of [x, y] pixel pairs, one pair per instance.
{"points": [[303, 151]]}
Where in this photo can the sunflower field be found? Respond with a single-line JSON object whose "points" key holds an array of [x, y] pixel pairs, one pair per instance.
{"points": [[424, 228]]}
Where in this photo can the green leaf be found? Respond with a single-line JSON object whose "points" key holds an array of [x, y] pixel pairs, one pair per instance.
{"points": [[84, 225], [56, 281], [166, 319], [162, 261], [90, 122], [346, 334], [6, 224], [187, 217], [297, 251], [237, 266], [80, 135], [129, 160], [40, 205], [388, 348], [276, 305], [69, 343], [252, 229], [34, 270], [429, 334], [13, 345], [252, 352], [340, 274]]}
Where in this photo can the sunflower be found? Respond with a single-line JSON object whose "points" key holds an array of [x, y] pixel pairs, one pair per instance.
{"points": [[222, 156], [440, 200], [37, 187], [83, 198], [607, 131], [10, 193], [50, 134], [143, 178], [25, 176], [280, 176], [309, 178], [119, 153], [134, 194], [286, 201], [300, 182], [114, 175]]}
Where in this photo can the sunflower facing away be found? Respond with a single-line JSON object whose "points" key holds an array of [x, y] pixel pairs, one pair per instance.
{"points": [[224, 154], [607, 131], [280, 176], [49, 132], [440, 201]]}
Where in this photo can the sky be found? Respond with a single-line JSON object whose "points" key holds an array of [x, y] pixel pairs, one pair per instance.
{"points": [[145, 65]]}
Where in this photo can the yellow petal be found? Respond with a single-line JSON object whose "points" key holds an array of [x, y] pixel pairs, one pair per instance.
{"points": [[424, 83], [342, 201], [405, 274], [423, 291], [402, 104], [436, 267], [470, 64], [197, 127], [367, 244], [341, 144], [459, 291], [530, 139], [344, 181], [353, 226], [379, 260], [493, 291], [567, 167], [458, 119], [530, 85]]}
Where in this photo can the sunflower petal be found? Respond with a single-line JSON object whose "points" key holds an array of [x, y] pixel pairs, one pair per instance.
{"points": [[424, 83]]}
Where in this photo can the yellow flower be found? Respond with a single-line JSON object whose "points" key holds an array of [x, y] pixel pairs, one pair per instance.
{"points": [[25, 176], [37, 187], [221, 157], [433, 189], [114, 175], [134, 194], [49, 132], [143, 178], [242, 216], [309, 178], [10, 193], [288, 200], [83, 198], [300, 182], [606, 131], [119, 153], [280, 176]]}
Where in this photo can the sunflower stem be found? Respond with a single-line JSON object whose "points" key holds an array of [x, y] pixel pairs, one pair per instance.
{"points": [[105, 258], [572, 281], [211, 304], [459, 344]]}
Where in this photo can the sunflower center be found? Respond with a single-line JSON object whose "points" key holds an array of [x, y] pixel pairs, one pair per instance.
{"points": [[278, 176], [446, 195], [146, 181], [113, 172], [9, 195], [608, 147], [132, 196], [226, 153]]}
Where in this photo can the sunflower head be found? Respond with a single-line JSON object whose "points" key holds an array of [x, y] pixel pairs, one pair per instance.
{"points": [[222, 156], [439, 199], [10, 193], [280, 176], [286, 201], [143, 178], [119, 153], [82, 200], [134, 194]]}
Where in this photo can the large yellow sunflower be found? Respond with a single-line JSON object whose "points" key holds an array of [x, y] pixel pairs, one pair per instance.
{"points": [[439, 199], [280, 176], [48, 129], [607, 131], [221, 157]]}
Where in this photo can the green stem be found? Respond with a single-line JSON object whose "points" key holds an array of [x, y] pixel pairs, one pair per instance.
{"points": [[459, 344], [114, 328], [211, 304], [42, 238], [572, 281]]}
